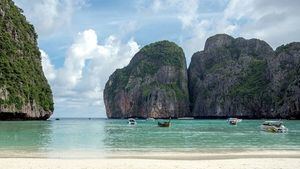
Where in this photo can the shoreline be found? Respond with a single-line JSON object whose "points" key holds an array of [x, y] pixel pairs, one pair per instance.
{"points": [[209, 156], [170, 155]]}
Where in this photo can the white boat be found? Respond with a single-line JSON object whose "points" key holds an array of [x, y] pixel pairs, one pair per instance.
{"points": [[131, 121], [274, 127], [233, 121], [150, 119]]}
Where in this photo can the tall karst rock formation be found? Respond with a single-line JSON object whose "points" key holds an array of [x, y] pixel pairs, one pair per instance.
{"points": [[154, 84], [24, 90], [245, 78]]}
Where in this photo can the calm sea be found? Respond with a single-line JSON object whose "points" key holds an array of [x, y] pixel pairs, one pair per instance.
{"points": [[101, 135]]}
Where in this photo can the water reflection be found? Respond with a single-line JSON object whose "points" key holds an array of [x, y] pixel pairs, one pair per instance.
{"points": [[78, 134]]}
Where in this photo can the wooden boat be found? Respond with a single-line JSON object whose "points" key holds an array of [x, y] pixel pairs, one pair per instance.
{"points": [[164, 124]]}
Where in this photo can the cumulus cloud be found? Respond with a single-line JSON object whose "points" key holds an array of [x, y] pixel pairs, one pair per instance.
{"points": [[78, 85], [185, 11], [48, 67], [50, 15], [275, 21], [80, 51]]}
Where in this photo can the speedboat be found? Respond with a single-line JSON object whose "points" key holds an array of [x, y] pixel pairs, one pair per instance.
{"points": [[131, 121], [273, 126], [233, 121]]}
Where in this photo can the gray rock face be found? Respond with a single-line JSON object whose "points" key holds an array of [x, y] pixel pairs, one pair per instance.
{"points": [[154, 84], [285, 75], [244, 78]]}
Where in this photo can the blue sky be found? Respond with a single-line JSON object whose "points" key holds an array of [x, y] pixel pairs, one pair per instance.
{"points": [[84, 41]]}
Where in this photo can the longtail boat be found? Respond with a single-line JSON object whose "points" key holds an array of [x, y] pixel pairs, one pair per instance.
{"points": [[164, 124]]}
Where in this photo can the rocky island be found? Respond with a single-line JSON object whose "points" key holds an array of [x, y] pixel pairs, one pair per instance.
{"points": [[154, 84], [245, 78], [230, 77], [24, 91]]}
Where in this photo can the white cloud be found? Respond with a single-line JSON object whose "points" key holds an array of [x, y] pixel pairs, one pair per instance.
{"points": [[186, 11], [50, 15], [188, 14], [79, 84], [81, 50], [157, 5], [48, 68], [274, 21]]}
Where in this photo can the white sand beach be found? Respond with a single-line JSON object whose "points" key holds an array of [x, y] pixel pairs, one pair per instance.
{"points": [[243, 160], [250, 163]]}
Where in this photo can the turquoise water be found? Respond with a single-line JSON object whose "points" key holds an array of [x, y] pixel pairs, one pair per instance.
{"points": [[115, 135]]}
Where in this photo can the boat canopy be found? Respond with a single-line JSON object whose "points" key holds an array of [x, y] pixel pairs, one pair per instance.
{"points": [[273, 123], [230, 119], [131, 120]]}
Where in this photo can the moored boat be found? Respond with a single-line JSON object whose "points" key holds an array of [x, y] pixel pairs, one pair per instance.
{"points": [[233, 121], [150, 119], [164, 124], [273, 126], [131, 121]]}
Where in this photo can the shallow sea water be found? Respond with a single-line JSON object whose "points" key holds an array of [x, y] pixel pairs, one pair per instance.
{"points": [[103, 135]]}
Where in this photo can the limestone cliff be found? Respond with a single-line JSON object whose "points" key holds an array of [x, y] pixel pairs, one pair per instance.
{"points": [[154, 84], [284, 69], [244, 78], [24, 90]]}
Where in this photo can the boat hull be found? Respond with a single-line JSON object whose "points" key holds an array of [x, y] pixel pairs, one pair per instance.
{"points": [[274, 129], [164, 124]]}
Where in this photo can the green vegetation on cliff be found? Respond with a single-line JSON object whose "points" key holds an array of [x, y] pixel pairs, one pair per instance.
{"points": [[21, 76], [154, 84], [163, 53], [147, 62], [254, 83]]}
